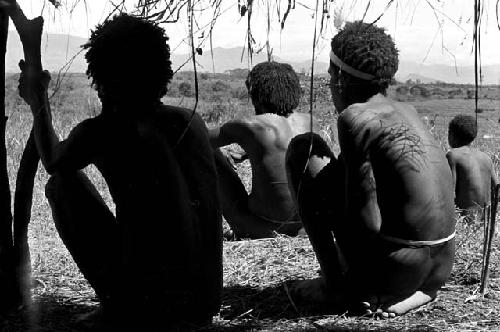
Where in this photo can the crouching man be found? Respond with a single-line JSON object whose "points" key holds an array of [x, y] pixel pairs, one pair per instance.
{"points": [[158, 262], [380, 217]]}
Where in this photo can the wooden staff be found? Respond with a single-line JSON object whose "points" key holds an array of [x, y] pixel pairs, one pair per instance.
{"points": [[489, 234], [30, 32], [6, 277]]}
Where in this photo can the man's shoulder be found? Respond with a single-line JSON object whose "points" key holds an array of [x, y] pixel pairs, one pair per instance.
{"points": [[94, 124], [173, 115], [383, 109], [173, 111], [361, 114], [252, 123]]}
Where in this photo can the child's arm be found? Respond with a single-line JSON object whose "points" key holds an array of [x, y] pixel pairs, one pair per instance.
{"points": [[451, 162]]}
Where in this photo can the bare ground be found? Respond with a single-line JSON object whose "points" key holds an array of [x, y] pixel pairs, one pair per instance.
{"points": [[256, 278]]}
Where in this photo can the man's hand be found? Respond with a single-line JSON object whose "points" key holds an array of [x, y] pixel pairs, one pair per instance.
{"points": [[234, 157], [237, 157], [33, 86], [7, 4]]}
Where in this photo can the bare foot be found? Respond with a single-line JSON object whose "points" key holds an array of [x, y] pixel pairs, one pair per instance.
{"points": [[390, 307], [415, 301]]}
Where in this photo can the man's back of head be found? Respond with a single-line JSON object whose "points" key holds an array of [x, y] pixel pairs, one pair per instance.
{"points": [[129, 61], [363, 61], [274, 88]]}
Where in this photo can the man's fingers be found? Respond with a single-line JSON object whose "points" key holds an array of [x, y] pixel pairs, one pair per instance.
{"points": [[22, 65], [6, 4]]}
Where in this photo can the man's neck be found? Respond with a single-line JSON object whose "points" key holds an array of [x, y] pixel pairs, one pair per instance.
{"points": [[356, 99]]}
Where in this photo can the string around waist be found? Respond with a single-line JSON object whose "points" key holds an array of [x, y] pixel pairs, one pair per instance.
{"points": [[416, 243]]}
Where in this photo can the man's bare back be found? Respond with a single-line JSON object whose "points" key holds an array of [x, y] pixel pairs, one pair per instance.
{"points": [[404, 171], [266, 139]]}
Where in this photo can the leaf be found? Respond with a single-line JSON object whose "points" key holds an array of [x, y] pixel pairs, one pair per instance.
{"points": [[56, 3]]}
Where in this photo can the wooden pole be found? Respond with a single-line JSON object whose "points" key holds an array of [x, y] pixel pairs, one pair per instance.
{"points": [[15, 263], [30, 32], [6, 273]]}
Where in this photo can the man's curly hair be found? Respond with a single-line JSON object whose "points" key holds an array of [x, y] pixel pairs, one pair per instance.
{"points": [[463, 128], [275, 86], [128, 54], [369, 49]]}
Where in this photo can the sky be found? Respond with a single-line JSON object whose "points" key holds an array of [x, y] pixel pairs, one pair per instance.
{"points": [[422, 35]]}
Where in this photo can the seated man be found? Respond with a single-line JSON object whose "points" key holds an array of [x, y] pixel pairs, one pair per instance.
{"points": [[473, 173], [158, 261], [381, 217], [275, 92]]}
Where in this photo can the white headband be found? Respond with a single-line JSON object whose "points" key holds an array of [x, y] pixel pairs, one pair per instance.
{"points": [[348, 69]]}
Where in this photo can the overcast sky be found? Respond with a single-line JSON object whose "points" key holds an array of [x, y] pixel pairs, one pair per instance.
{"points": [[419, 35]]}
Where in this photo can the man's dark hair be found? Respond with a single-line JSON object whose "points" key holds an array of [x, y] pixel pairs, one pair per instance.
{"points": [[275, 86], [369, 49], [129, 55], [463, 128]]}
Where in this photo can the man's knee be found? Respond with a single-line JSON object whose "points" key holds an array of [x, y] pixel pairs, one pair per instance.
{"points": [[303, 146], [52, 187], [306, 149]]}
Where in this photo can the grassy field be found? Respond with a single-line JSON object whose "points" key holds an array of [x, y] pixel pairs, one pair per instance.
{"points": [[256, 273]]}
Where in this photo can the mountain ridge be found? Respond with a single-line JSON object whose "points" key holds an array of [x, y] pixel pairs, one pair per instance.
{"points": [[58, 50]]}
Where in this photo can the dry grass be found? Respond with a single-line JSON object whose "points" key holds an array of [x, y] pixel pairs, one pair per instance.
{"points": [[256, 273]]}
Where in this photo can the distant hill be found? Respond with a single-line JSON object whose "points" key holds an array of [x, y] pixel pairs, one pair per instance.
{"points": [[417, 78], [230, 58], [58, 49], [449, 74]]}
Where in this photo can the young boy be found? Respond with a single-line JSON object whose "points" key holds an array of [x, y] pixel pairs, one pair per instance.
{"points": [[269, 209], [473, 172]]}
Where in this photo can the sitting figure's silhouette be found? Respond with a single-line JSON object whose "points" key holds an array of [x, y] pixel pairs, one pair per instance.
{"points": [[158, 261]]}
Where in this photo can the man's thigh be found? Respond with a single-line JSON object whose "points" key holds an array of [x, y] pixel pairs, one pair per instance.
{"points": [[86, 226], [389, 270]]}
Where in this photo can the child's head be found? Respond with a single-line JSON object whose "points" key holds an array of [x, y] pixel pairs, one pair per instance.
{"points": [[462, 130], [274, 87]]}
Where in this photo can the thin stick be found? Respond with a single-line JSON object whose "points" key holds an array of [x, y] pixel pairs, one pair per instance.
{"points": [[193, 56], [311, 102], [488, 239], [5, 198]]}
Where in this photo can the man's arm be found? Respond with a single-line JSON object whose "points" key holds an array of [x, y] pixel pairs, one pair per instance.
{"points": [[360, 192], [451, 162], [55, 155], [234, 131]]}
